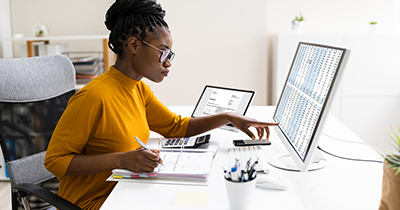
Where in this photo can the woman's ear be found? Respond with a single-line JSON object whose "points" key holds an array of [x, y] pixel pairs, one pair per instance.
{"points": [[132, 44]]}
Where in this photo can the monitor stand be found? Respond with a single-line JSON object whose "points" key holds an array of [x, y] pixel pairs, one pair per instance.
{"points": [[285, 162]]}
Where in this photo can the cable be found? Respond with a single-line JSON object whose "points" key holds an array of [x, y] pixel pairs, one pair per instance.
{"points": [[346, 158], [355, 142], [353, 159]]}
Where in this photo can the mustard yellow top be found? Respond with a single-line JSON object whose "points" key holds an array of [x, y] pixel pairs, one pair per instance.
{"points": [[104, 117]]}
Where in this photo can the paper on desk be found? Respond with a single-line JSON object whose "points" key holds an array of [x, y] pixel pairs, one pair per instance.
{"points": [[191, 198]]}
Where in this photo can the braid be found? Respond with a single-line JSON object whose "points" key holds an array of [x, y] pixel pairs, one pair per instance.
{"points": [[126, 18]]}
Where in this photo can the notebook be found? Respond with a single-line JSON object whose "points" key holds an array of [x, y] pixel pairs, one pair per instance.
{"points": [[179, 167], [215, 100]]}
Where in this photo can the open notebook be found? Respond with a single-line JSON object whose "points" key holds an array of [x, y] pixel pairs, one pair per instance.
{"points": [[188, 167]]}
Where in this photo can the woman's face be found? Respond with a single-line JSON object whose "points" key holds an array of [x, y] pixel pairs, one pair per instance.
{"points": [[146, 62]]}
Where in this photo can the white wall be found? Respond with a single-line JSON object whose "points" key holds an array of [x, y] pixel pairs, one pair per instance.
{"points": [[6, 50], [220, 43], [216, 42], [334, 17]]}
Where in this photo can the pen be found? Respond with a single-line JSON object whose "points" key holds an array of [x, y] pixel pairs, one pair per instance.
{"points": [[242, 179], [252, 171], [248, 165], [245, 176], [146, 148], [227, 175]]}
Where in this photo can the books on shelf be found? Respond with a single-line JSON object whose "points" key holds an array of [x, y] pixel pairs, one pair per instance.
{"points": [[88, 76], [82, 59], [88, 69], [87, 65]]}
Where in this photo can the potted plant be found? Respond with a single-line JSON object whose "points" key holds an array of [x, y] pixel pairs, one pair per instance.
{"points": [[298, 24], [40, 29], [391, 177]]}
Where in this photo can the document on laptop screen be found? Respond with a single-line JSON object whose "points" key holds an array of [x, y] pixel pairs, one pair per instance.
{"points": [[222, 101], [215, 100]]}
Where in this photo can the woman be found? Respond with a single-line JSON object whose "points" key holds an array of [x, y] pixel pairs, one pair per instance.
{"points": [[97, 131]]}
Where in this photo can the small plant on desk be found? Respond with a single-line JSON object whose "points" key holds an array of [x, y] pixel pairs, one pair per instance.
{"points": [[391, 179], [394, 158]]}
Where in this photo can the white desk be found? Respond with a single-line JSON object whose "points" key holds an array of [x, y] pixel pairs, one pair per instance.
{"points": [[341, 185]]}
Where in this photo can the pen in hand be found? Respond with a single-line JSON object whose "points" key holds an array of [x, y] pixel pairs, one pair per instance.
{"points": [[146, 148]]}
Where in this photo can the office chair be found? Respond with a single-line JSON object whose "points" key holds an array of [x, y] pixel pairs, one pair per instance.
{"points": [[33, 94]]}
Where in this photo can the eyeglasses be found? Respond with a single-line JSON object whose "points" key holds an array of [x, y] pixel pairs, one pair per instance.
{"points": [[166, 54]]}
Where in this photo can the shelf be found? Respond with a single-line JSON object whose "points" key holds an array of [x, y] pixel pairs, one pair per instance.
{"points": [[47, 39]]}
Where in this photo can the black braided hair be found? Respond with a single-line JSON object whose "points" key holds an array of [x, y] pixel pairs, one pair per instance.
{"points": [[126, 18]]}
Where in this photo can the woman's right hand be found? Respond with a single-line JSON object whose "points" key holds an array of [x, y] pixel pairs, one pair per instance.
{"points": [[140, 160]]}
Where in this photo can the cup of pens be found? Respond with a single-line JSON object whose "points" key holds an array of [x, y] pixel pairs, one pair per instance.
{"points": [[240, 183]]}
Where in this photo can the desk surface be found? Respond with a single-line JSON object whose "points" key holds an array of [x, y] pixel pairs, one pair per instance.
{"points": [[343, 184]]}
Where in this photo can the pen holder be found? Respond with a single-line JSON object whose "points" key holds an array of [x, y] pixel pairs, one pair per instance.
{"points": [[239, 194]]}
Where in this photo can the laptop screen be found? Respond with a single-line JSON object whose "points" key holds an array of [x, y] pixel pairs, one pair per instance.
{"points": [[215, 100]]}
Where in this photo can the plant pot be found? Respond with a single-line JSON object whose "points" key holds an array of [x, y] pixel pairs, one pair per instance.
{"points": [[372, 29], [298, 27], [390, 199]]}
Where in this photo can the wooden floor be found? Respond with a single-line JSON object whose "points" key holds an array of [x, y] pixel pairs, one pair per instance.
{"points": [[5, 195]]}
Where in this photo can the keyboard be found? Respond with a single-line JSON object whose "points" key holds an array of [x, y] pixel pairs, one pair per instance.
{"points": [[252, 153]]}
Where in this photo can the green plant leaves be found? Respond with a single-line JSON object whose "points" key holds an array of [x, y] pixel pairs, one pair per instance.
{"points": [[394, 159]]}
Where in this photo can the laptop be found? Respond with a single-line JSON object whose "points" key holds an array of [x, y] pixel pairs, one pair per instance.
{"points": [[215, 100]]}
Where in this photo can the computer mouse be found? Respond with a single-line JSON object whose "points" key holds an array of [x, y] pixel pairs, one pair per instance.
{"points": [[270, 182]]}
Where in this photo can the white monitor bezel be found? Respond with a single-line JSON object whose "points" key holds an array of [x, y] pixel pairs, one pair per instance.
{"points": [[303, 165]]}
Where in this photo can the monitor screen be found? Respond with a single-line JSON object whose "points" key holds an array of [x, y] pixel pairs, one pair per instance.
{"points": [[304, 100]]}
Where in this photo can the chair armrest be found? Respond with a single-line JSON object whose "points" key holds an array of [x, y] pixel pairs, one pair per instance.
{"points": [[47, 195]]}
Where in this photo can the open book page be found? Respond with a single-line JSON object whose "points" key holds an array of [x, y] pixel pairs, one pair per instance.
{"points": [[186, 162]]}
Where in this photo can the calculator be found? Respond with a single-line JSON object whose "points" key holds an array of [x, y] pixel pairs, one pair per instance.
{"points": [[188, 142]]}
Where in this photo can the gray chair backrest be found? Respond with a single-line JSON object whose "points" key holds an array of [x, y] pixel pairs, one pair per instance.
{"points": [[36, 78], [24, 80]]}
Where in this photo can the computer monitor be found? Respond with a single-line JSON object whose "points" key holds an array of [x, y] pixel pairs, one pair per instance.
{"points": [[304, 104]]}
